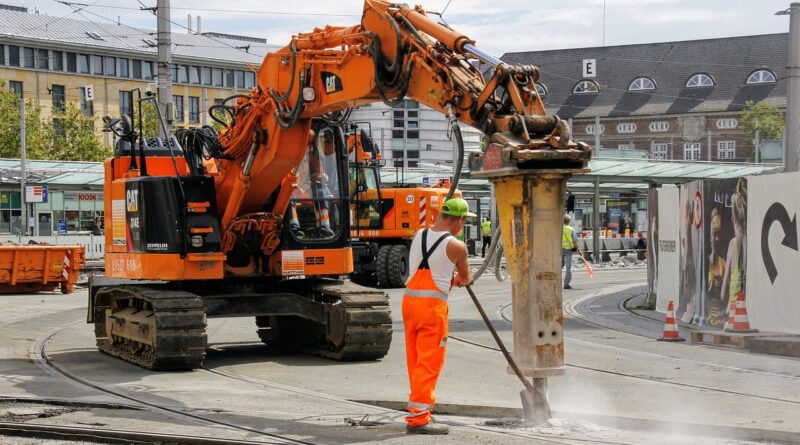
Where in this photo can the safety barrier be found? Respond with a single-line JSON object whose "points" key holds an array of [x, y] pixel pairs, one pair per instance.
{"points": [[93, 245], [608, 246]]}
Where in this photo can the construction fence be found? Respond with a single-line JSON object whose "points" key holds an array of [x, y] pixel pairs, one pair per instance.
{"points": [[711, 239]]}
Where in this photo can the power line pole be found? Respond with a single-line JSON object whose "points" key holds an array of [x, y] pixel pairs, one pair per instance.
{"points": [[22, 174], [164, 64], [792, 143]]}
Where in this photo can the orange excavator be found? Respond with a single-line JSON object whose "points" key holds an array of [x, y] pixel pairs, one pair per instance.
{"points": [[254, 221], [384, 219]]}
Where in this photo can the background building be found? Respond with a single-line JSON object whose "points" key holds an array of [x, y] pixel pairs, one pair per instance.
{"points": [[671, 100], [55, 60]]}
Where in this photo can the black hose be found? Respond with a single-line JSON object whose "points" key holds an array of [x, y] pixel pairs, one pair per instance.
{"points": [[460, 161], [288, 92], [294, 114]]}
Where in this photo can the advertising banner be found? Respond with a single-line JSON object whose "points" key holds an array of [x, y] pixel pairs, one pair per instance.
{"points": [[668, 234], [690, 302], [724, 204], [652, 245], [773, 260]]}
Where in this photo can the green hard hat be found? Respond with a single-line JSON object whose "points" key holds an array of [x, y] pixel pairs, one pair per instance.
{"points": [[456, 207]]}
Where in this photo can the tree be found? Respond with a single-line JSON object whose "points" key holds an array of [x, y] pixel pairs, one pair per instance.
{"points": [[763, 118], [38, 132], [76, 139]]}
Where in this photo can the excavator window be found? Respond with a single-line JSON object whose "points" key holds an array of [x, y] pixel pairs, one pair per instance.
{"points": [[316, 203], [365, 199]]}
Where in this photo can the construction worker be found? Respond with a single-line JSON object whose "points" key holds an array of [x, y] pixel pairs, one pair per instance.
{"points": [[486, 231], [435, 254], [569, 244]]}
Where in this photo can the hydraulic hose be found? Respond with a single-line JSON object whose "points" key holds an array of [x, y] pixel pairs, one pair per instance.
{"points": [[459, 142]]}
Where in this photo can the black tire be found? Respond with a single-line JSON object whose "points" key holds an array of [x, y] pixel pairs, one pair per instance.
{"points": [[382, 266], [398, 266]]}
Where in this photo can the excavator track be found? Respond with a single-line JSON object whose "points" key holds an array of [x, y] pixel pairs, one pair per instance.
{"points": [[155, 328], [359, 325]]}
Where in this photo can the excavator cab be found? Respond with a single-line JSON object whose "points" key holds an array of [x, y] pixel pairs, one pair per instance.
{"points": [[366, 205], [316, 215]]}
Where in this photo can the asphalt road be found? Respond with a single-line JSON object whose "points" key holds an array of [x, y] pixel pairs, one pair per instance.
{"points": [[619, 387]]}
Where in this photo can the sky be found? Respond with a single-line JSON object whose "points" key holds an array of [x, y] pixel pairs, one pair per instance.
{"points": [[497, 26]]}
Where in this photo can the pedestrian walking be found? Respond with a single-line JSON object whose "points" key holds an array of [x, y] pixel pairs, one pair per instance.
{"points": [[434, 257], [569, 244], [486, 230]]}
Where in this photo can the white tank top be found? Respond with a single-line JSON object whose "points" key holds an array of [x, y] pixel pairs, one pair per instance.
{"points": [[441, 267]]}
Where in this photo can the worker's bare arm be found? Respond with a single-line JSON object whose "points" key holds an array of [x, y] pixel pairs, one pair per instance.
{"points": [[457, 252]]}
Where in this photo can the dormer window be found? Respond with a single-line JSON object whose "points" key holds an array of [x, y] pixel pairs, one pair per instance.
{"points": [[761, 76], [642, 84], [699, 81], [541, 89], [586, 87]]}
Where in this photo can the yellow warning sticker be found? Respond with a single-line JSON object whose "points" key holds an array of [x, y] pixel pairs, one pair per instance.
{"points": [[293, 262], [118, 222]]}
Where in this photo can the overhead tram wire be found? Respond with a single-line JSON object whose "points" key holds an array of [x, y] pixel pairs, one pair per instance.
{"points": [[232, 11]]}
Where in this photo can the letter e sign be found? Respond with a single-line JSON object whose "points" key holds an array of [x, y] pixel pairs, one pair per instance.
{"points": [[589, 67]]}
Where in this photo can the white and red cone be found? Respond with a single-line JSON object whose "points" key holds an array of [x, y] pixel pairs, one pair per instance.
{"points": [[671, 325], [740, 323]]}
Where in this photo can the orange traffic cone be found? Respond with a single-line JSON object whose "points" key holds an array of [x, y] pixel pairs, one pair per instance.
{"points": [[741, 324], [671, 325]]}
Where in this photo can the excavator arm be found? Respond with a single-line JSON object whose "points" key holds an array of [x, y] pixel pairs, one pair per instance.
{"points": [[395, 52]]}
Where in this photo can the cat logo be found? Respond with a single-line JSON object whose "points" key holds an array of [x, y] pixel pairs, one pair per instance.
{"points": [[132, 199], [331, 82]]}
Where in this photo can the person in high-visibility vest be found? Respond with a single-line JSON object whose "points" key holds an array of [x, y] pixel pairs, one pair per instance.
{"points": [[569, 244], [434, 256], [486, 231]]}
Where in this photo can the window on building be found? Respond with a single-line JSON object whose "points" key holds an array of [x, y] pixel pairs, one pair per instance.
{"points": [[2, 54], [541, 89], [97, 64], [399, 123], [691, 151], [626, 146], [642, 84], [42, 59], [660, 151], [659, 126], [229, 79], [87, 106], [83, 63], [700, 80], [398, 134], [126, 103], [412, 113], [137, 69], [194, 109], [174, 73], [727, 123], [28, 58], [110, 67], [240, 79], [124, 68], [194, 75], [219, 101], [726, 149], [147, 70], [249, 79], [626, 127], [761, 76], [58, 126], [178, 101], [586, 87], [58, 61], [57, 91], [591, 129], [412, 124], [10, 212], [399, 114], [183, 74], [412, 134], [216, 77], [13, 55], [72, 63], [15, 87], [205, 75]]}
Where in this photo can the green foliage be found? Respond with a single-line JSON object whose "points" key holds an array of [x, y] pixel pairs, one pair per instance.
{"points": [[38, 132], [149, 118], [766, 119], [77, 140]]}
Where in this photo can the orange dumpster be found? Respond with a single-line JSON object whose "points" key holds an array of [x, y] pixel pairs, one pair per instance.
{"points": [[33, 268]]}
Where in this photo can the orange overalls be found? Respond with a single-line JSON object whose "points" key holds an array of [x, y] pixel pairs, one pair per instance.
{"points": [[425, 320]]}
